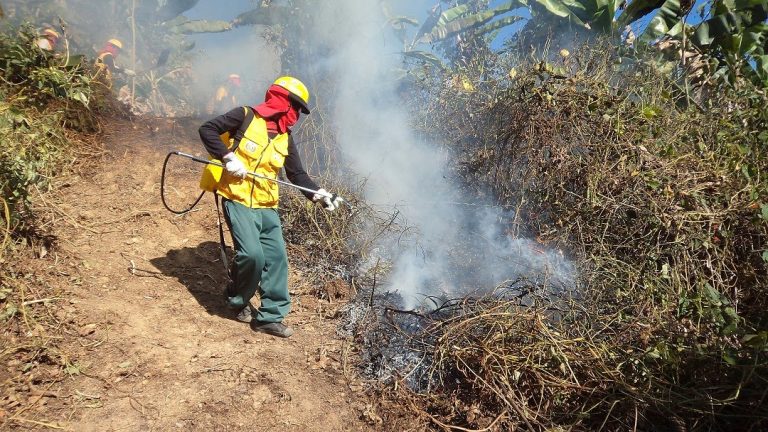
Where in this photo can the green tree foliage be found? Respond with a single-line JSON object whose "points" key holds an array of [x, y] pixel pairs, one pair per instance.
{"points": [[736, 35], [732, 39], [42, 96]]}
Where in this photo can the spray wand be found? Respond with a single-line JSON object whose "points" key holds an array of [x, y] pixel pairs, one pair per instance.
{"points": [[333, 197]]}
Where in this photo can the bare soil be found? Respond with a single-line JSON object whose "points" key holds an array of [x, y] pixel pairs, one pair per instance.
{"points": [[148, 343]]}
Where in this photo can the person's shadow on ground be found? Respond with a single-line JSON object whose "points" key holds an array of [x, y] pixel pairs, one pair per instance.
{"points": [[200, 270]]}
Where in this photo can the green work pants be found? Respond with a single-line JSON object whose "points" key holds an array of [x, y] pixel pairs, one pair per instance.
{"points": [[261, 262]]}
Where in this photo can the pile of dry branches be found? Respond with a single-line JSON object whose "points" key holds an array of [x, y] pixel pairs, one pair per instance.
{"points": [[662, 206]]}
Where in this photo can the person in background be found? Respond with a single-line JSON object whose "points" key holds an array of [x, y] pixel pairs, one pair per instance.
{"points": [[47, 40], [105, 62], [225, 96], [262, 144]]}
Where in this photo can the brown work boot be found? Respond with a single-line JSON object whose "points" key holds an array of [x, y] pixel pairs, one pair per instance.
{"points": [[275, 329]]}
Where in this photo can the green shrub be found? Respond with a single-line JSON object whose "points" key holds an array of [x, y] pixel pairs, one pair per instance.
{"points": [[45, 98]]}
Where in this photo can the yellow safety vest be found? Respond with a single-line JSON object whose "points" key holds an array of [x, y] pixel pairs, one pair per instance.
{"points": [[221, 101], [102, 69], [259, 154]]}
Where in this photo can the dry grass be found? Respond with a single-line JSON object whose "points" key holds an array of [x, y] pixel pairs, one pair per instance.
{"points": [[660, 205]]}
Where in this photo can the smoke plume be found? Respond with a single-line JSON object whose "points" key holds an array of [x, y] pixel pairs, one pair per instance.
{"points": [[457, 245]]}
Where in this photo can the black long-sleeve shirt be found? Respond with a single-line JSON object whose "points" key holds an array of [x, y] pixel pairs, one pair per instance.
{"points": [[109, 60], [230, 122]]}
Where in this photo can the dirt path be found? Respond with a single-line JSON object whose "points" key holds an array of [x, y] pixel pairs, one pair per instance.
{"points": [[159, 350]]}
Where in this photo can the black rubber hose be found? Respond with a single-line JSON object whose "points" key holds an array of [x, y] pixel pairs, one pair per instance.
{"points": [[162, 190]]}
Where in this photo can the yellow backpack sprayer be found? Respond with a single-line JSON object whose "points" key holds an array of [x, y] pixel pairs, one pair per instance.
{"points": [[209, 182]]}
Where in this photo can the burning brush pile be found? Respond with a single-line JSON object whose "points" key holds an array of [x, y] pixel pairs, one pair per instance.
{"points": [[660, 206]]}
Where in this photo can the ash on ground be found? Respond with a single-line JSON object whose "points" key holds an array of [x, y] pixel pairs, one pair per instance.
{"points": [[396, 344], [392, 347]]}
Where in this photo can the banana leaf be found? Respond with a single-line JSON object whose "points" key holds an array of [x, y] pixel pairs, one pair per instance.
{"points": [[426, 57], [171, 8], [452, 14], [559, 8], [438, 19], [401, 21], [755, 39], [74, 61], [720, 28], [261, 16], [669, 20], [762, 68], [499, 23], [464, 23], [725, 6], [429, 23], [601, 14], [636, 10], [202, 26], [181, 19]]}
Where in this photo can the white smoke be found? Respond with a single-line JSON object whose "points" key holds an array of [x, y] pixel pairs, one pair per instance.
{"points": [[457, 243], [256, 61]]}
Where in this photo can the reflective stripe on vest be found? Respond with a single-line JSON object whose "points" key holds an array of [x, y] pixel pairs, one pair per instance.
{"points": [[261, 155], [100, 59], [102, 68]]}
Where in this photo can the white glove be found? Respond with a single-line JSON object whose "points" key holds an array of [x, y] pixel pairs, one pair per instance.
{"points": [[129, 72], [330, 202], [234, 166]]}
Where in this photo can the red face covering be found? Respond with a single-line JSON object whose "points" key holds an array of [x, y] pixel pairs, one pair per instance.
{"points": [[111, 49], [277, 110]]}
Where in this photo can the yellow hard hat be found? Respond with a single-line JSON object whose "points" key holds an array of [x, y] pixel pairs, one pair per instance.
{"points": [[116, 42], [297, 89], [51, 32]]}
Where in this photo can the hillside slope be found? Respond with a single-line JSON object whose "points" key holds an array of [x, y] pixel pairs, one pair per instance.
{"points": [[156, 347]]}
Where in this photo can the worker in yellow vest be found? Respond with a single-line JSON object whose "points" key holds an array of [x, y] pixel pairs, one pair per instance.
{"points": [[261, 143], [105, 62], [226, 96]]}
